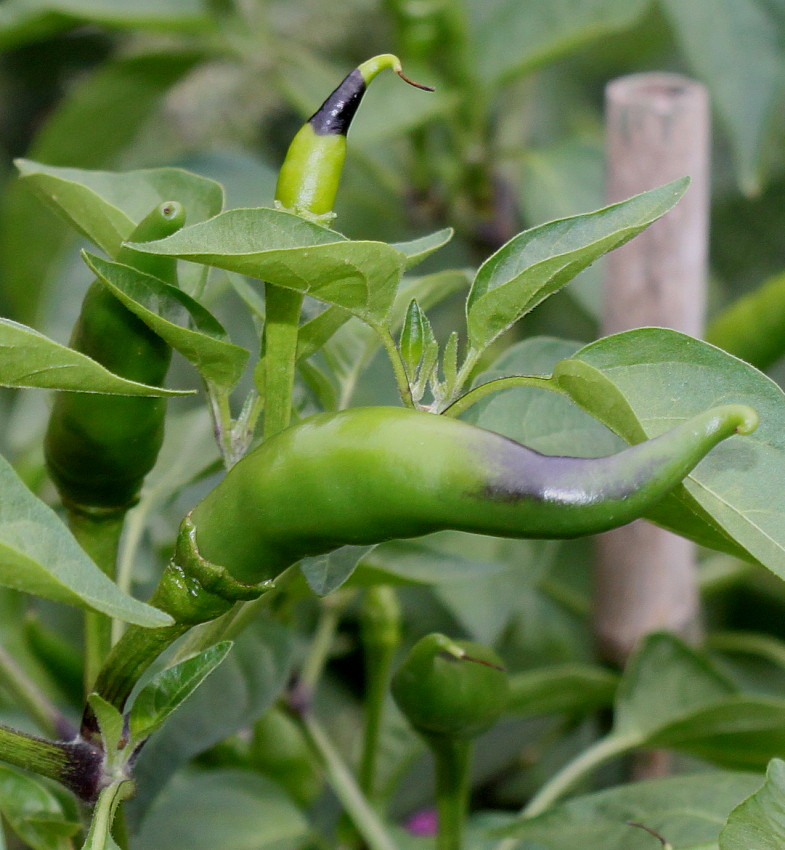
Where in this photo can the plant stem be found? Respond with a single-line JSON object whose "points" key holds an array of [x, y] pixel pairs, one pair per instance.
{"points": [[27, 695], [457, 407], [281, 328], [452, 757], [401, 378], [99, 536], [345, 788], [75, 764], [99, 836], [587, 762]]}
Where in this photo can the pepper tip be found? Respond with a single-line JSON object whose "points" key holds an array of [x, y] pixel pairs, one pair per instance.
{"points": [[748, 419]]}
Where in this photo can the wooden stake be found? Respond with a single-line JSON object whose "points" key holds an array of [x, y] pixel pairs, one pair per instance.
{"points": [[657, 129]]}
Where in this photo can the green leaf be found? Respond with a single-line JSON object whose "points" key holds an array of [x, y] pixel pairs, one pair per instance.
{"points": [[563, 688], [33, 812], [326, 573], [286, 250], [120, 95], [158, 304], [642, 382], [38, 555], [740, 732], [665, 681], [417, 250], [410, 343], [232, 698], [29, 359], [512, 37], [110, 722], [151, 14], [538, 262], [759, 822], [718, 38], [169, 689], [105, 206], [687, 810], [542, 420], [236, 809]]}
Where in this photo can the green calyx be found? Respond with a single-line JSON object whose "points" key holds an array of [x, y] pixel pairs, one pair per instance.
{"points": [[100, 447], [451, 689]]}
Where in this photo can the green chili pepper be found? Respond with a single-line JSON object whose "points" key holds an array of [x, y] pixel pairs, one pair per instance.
{"points": [[450, 692], [451, 688], [371, 474], [309, 177], [99, 447]]}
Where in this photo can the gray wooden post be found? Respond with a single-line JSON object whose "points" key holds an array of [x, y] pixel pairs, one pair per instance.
{"points": [[657, 129]]}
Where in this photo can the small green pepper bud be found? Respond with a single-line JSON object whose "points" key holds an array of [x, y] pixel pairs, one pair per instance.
{"points": [[454, 689], [309, 177]]}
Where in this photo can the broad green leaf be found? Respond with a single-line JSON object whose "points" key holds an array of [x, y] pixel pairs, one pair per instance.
{"points": [[538, 262], [561, 180], [121, 94], [38, 555], [740, 732], [718, 37], [110, 722], [235, 809], [417, 250], [665, 681], [20, 23], [232, 698], [286, 250], [563, 688], [33, 812], [169, 689], [759, 822], [688, 811], [326, 573], [29, 359], [152, 14], [544, 421], [159, 305], [105, 206], [512, 37], [643, 382]]}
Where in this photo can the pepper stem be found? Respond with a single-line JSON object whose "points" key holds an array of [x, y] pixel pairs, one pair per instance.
{"points": [[452, 758], [99, 536]]}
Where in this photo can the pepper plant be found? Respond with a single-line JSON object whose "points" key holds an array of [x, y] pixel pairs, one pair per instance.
{"points": [[305, 494]]}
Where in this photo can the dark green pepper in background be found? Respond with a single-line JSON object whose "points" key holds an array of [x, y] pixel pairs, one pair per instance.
{"points": [[100, 447]]}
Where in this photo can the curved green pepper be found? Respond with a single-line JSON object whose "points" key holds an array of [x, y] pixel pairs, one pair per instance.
{"points": [[100, 447], [372, 474], [309, 177]]}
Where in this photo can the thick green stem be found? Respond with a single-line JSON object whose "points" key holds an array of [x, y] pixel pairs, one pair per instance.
{"points": [[99, 536], [345, 788], [280, 355], [76, 764], [452, 758]]}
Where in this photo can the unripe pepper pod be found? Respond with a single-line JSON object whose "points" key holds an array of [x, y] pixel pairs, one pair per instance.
{"points": [[367, 475], [452, 689], [100, 447], [309, 177]]}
